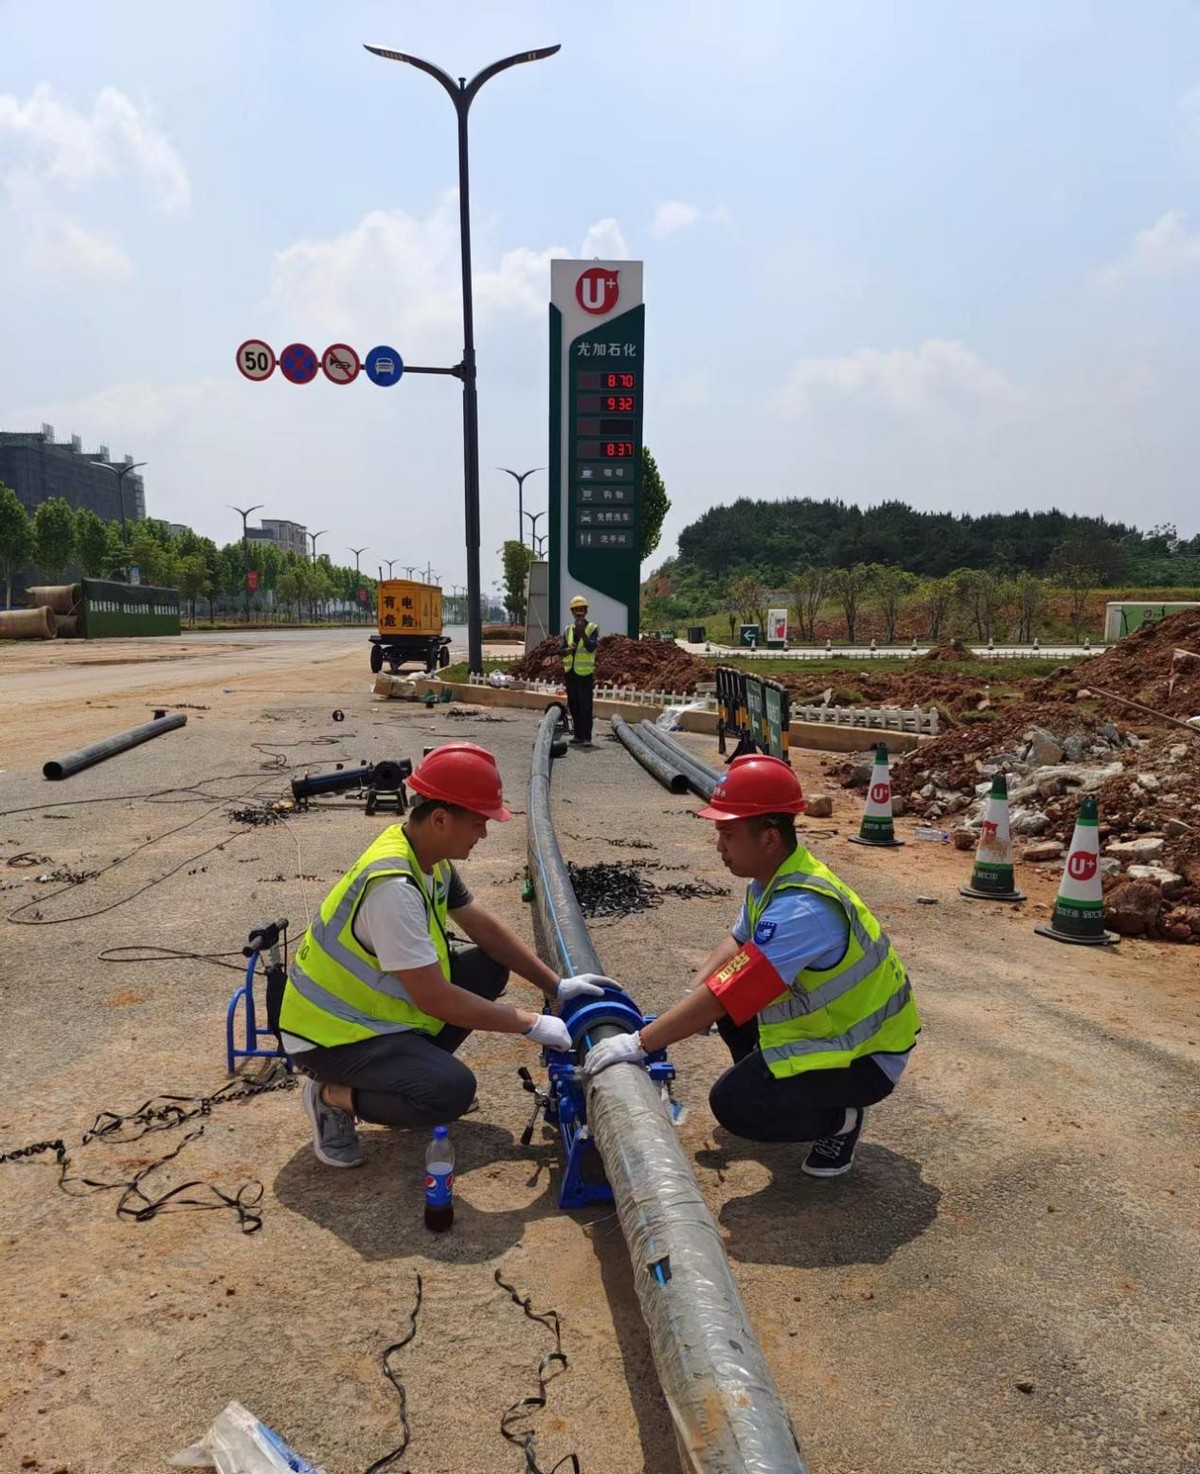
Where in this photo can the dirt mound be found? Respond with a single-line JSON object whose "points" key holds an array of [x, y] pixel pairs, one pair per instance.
{"points": [[952, 650], [644, 665], [1158, 665]]}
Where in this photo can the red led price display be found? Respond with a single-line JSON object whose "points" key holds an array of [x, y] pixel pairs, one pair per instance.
{"points": [[594, 379]]}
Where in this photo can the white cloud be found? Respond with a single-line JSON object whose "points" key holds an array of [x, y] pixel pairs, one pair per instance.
{"points": [[675, 215], [74, 148], [940, 377], [399, 269], [66, 250], [1165, 249], [606, 240]]}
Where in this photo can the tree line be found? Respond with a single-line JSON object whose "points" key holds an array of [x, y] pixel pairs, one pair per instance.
{"points": [[57, 538], [771, 539]]}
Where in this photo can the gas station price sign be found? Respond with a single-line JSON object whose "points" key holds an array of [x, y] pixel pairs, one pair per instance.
{"points": [[596, 391]]}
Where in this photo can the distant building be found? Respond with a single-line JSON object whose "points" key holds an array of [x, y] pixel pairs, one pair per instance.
{"points": [[288, 537], [37, 468]]}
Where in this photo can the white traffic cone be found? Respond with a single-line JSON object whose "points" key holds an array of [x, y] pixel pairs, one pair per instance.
{"points": [[877, 827], [1078, 914], [992, 877]]}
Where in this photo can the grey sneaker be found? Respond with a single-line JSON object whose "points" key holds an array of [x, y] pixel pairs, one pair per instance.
{"points": [[335, 1140]]}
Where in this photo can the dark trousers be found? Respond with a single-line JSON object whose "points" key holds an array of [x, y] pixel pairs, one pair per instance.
{"points": [[751, 1103], [579, 704], [411, 1078]]}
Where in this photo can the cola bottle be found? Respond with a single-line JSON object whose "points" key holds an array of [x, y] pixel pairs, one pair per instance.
{"points": [[439, 1181]]}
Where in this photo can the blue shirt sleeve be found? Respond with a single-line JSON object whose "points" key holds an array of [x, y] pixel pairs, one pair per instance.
{"points": [[800, 929], [741, 927]]}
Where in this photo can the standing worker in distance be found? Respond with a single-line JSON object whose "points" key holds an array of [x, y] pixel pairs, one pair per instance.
{"points": [[378, 1000], [578, 651], [807, 992]]}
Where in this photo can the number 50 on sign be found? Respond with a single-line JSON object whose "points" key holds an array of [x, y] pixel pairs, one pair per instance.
{"points": [[256, 359]]}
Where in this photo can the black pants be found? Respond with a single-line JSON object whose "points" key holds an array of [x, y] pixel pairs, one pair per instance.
{"points": [[411, 1078], [579, 704], [751, 1103]]}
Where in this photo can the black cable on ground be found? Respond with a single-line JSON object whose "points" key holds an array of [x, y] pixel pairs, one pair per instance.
{"points": [[390, 1373], [549, 1367], [160, 1113], [150, 952]]}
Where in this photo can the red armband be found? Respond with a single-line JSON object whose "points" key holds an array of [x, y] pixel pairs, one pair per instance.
{"points": [[745, 984]]}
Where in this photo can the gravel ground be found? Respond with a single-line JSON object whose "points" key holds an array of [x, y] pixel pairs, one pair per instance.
{"points": [[1007, 1281]]}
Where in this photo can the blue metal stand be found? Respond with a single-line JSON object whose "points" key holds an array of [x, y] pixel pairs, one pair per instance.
{"points": [[262, 939]]}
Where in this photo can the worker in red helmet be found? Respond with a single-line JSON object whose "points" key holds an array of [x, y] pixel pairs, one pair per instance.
{"points": [[378, 999], [807, 992]]}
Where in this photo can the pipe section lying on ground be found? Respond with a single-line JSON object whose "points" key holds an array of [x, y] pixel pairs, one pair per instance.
{"points": [[98, 752], [657, 766], [28, 624], [729, 1417], [699, 775]]}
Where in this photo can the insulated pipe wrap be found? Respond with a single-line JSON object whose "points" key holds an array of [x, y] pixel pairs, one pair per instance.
{"points": [[729, 1417]]}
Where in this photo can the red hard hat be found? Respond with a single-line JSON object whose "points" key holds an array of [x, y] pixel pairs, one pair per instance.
{"points": [[464, 774], [755, 784]]}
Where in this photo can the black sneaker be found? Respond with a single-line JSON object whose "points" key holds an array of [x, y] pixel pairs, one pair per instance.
{"points": [[833, 1155]]}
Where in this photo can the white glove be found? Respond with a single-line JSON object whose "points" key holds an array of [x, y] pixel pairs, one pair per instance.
{"points": [[621, 1049], [582, 985], [550, 1032]]}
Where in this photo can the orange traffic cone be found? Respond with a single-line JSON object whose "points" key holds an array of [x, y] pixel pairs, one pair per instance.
{"points": [[992, 877], [1078, 914], [877, 827]]}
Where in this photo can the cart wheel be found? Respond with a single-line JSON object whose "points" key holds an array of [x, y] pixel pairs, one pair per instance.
{"points": [[444, 657], [376, 659]]}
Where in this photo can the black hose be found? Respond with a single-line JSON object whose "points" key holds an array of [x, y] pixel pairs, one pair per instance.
{"points": [[99, 752], [657, 766], [699, 775], [557, 917]]}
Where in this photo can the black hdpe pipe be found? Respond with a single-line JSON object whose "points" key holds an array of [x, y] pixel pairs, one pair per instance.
{"points": [[728, 1415], [658, 767], [700, 777], [99, 752]]}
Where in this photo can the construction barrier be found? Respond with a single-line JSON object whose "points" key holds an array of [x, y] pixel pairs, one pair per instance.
{"points": [[756, 711]]}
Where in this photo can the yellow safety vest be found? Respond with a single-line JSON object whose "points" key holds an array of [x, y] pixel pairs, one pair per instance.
{"points": [[578, 659], [337, 993], [827, 1018]]}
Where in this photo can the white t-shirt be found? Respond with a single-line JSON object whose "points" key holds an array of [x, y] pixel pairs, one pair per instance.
{"points": [[391, 923]]}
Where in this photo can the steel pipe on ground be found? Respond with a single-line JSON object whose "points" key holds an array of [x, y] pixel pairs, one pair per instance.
{"points": [[728, 1415], [657, 766], [98, 752], [699, 775]]}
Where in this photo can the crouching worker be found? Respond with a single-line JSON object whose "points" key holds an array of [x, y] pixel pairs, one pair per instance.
{"points": [[807, 992], [378, 1000]]}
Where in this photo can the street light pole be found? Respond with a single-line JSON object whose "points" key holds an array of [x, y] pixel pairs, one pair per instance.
{"points": [[409, 569], [519, 478], [389, 562], [244, 513], [357, 576], [120, 473], [314, 536], [533, 532], [462, 94]]}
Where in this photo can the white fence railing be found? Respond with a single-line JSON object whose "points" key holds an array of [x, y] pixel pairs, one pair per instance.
{"points": [[885, 718]]}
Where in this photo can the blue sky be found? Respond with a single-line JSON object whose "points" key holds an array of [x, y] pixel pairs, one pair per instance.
{"points": [[943, 252]]}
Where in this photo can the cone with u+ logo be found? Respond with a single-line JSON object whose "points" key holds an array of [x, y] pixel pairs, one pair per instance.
{"points": [[877, 827], [992, 877], [1078, 914]]}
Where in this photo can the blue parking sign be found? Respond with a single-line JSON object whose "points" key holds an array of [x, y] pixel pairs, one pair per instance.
{"points": [[383, 366]]}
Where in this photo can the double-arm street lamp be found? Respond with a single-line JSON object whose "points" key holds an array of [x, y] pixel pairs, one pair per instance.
{"points": [[244, 514], [120, 472], [462, 94], [533, 532], [314, 536], [519, 478]]}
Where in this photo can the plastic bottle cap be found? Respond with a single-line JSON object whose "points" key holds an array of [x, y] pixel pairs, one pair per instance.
{"points": [[441, 1132]]}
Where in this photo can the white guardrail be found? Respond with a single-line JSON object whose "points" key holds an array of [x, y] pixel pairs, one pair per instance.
{"points": [[871, 652], [886, 718]]}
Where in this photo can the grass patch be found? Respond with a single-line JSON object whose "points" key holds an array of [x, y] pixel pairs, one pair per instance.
{"points": [[459, 671]]}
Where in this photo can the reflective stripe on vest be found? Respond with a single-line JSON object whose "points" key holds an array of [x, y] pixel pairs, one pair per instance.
{"points": [[829, 1017], [337, 993], [579, 660]]}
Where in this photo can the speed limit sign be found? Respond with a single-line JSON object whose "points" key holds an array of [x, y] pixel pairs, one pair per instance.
{"points": [[256, 359]]}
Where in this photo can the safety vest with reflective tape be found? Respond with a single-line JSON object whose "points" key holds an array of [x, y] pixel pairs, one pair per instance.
{"points": [[827, 1018], [579, 659], [337, 993]]}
